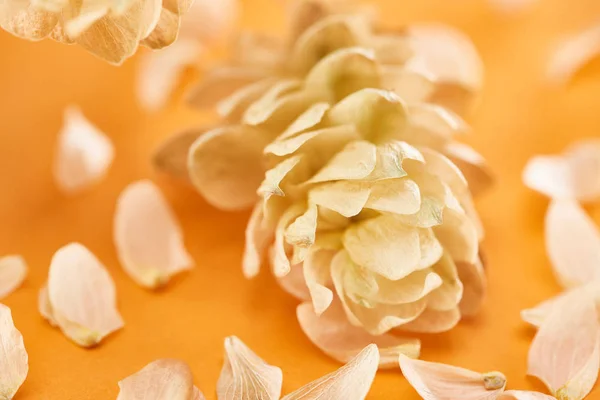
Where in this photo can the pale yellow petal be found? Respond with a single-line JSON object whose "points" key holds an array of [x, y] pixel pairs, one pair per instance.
{"points": [[434, 381], [398, 196], [449, 294], [472, 165], [355, 161], [572, 54], [565, 353], [233, 107], [302, 232], [13, 271], [160, 380], [225, 165], [433, 321], [572, 243], [432, 126], [82, 296], [83, 153], [474, 283], [148, 237], [412, 288], [257, 50], [14, 364], [159, 72], [344, 197], [307, 120], [524, 395], [23, 19], [171, 155], [317, 275], [258, 239], [274, 178], [412, 86], [165, 32], [280, 260], [335, 336], [247, 376], [458, 235], [351, 382]]}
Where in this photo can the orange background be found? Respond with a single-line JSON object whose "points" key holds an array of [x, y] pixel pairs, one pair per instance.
{"points": [[519, 116]]}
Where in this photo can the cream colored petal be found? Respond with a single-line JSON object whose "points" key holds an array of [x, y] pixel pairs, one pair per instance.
{"points": [[225, 166], [165, 32], [13, 356], [441, 166], [171, 155], [148, 237], [390, 157], [432, 126], [474, 283], [88, 16], [258, 239], [412, 86], [337, 338], [301, 233], [449, 294], [398, 196], [409, 289], [13, 271], [391, 48], [351, 382], [433, 321], [458, 235], [221, 83], [434, 381], [317, 275], [233, 107], [305, 121], [197, 395], [343, 72], [572, 54], [23, 19], [82, 296], [247, 376], [384, 245], [584, 163], [257, 50], [565, 353], [217, 20], [160, 380], [355, 161], [159, 72], [281, 261], [472, 165], [177, 6], [44, 306], [344, 197], [378, 115], [524, 395], [83, 153], [294, 283], [275, 176], [572, 243]]}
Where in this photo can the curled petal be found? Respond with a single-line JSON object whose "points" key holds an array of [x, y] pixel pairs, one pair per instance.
{"points": [[573, 243], [258, 238], [474, 283], [305, 121], [432, 126], [83, 154], [14, 361], [351, 382], [82, 296], [280, 260], [472, 165], [524, 395], [335, 336], [433, 321], [572, 54], [225, 165], [247, 376], [302, 232], [161, 379], [317, 275], [434, 381], [171, 155], [344, 164], [344, 197], [565, 353], [13, 271], [45, 308], [147, 236], [165, 32], [294, 283]]}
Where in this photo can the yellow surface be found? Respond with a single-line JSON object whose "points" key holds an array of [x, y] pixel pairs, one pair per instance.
{"points": [[519, 116]]}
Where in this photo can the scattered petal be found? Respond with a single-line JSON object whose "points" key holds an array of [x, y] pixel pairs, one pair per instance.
{"points": [[350, 382], [45, 308], [82, 296], [247, 376], [147, 236], [434, 381], [84, 153], [565, 353], [198, 394], [572, 243], [13, 271], [335, 336], [572, 54], [164, 379], [14, 361], [524, 395]]}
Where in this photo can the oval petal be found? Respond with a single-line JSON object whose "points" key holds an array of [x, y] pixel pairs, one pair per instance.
{"points": [[14, 361], [13, 271], [165, 379]]}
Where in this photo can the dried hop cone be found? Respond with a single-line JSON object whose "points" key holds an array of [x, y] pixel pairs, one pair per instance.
{"points": [[345, 138], [112, 30]]}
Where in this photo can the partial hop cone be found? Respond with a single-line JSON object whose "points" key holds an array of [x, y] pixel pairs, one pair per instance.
{"points": [[344, 144]]}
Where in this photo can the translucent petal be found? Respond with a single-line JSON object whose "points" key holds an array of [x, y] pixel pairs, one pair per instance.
{"points": [[317, 275], [432, 126], [344, 197], [13, 356], [171, 156], [351, 382], [197, 395], [258, 239], [307, 120], [474, 284], [337, 338], [434, 381], [13, 271], [247, 376], [412, 86], [449, 294], [82, 296], [565, 353], [225, 165], [280, 261], [233, 107], [572, 243], [572, 54], [294, 283], [217, 19], [301, 233], [355, 161], [83, 153], [275, 176], [459, 237], [432, 321], [398, 196], [147, 236], [160, 380], [45, 308], [409, 289], [472, 165]]}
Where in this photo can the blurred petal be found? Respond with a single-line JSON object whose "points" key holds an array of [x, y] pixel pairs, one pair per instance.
{"points": [[474, 283], [147, 236], [159, 72], [572, 54], [13, 271], [13, 356], [335, 336], [472, 165], [434, 381], [197, 395], [23, 19], [412, 86], [432, 126], [160, 380], [83, 154], [351, 382], [258, 239], [171, 156], [512, 7], [225, 165], [45, 308], [247, 376], [565, 353], [572, 243], [82, 296], [217, 18]]}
